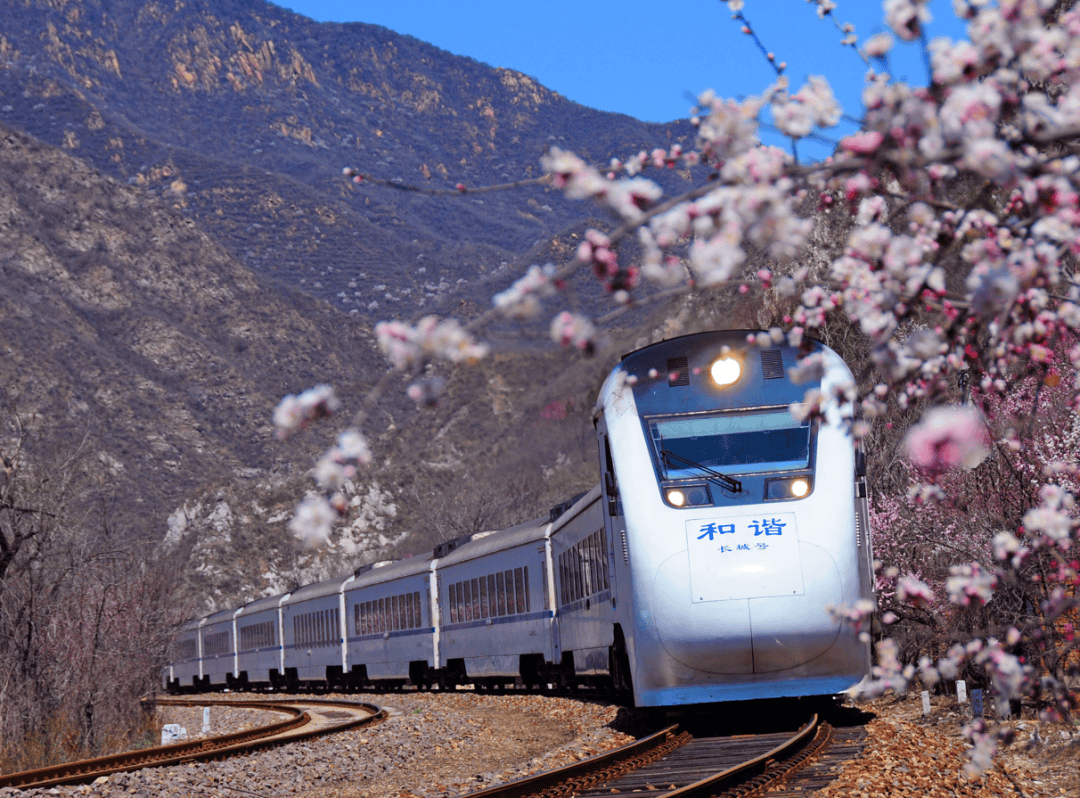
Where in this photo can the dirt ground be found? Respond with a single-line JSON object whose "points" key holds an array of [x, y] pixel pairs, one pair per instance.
{"points": [[923, 755]]}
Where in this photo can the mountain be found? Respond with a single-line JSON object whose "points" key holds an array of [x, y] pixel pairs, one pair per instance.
{"points": [[179, 249], [242, 115]]}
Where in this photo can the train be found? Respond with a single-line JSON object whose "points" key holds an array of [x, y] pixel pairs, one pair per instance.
{"points": [[701, 568]]}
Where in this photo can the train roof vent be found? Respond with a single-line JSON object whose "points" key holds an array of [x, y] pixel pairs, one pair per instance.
{"points": [[678, 369], [447, 546], [559, 509], [772, 364], [363, 569]]}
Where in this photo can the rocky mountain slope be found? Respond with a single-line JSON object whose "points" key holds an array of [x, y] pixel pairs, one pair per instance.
{"points": [[179, 250], [242, 115]]}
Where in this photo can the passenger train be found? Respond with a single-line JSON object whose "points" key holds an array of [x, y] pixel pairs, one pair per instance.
{"points": [[698, 570]]}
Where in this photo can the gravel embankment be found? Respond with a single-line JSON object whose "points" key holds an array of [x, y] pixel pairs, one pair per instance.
{"points": [[436, 745], [432, 745]]}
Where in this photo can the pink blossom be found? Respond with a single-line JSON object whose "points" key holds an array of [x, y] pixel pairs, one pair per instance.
{"points": [[863, 143], [947, 438], [313, 522], [878, 45], [296, 412], [906, 17], [914, 591]]}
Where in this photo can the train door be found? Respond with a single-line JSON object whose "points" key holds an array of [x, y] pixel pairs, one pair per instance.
{"points": [[618, 559], [614, 522]]}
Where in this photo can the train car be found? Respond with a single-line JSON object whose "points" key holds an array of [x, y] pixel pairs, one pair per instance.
{"points": [[218, 652], [735, 524], [313, 634], [496, 613], [585, 594], [260, 656], [390, 617], [183, 671]]}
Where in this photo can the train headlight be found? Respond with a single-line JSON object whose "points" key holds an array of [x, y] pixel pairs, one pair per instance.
{"points": [[688, 496], [787, 488], [725, 371]]}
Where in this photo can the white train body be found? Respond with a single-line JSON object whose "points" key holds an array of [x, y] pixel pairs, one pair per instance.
{"points": [[727, 595], [390, 623], [701, 569], [260, 654]]}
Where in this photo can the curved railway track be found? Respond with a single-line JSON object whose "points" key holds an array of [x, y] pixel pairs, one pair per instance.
{"points": [[308, 718], [674, 764]]}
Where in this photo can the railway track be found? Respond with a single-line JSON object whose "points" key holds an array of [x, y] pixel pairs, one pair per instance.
{"points": [[307, 718], [674, 764]]}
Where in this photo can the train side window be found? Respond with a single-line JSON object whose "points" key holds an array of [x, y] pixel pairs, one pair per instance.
{"points": [[467, 586], [459, 598], [519, 591], [483, 597], [493, 603], [603, 558], [525, 586], [590, 544], [403, 613], [500, 592], [337, 626]]}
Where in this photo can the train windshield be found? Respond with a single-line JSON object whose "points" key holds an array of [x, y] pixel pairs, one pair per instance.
{"points": [[730, 443]]}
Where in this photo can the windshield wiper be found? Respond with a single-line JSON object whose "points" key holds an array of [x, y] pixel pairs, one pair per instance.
{"points": [[714, 476]]}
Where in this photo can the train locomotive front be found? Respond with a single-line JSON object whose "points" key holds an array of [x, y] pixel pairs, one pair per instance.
{"points": [[735, 525]]}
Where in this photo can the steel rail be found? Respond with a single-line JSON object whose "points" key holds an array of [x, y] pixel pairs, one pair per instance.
{"points": [[210, 748], [756, 775], [748, 778], [594, 770]]}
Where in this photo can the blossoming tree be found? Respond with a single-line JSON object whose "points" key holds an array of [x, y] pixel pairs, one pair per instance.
{"points": [[961, 211]]}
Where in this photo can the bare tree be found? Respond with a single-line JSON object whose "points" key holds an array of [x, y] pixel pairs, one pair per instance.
{"points": [[85, 614]]}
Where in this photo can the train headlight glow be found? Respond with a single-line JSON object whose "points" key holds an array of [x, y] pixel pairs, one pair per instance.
{"points": [[788, 488], [725, 371], [688, 496]]}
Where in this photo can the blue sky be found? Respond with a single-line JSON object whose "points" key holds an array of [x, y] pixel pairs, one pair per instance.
{"points": [[640, 57]]}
